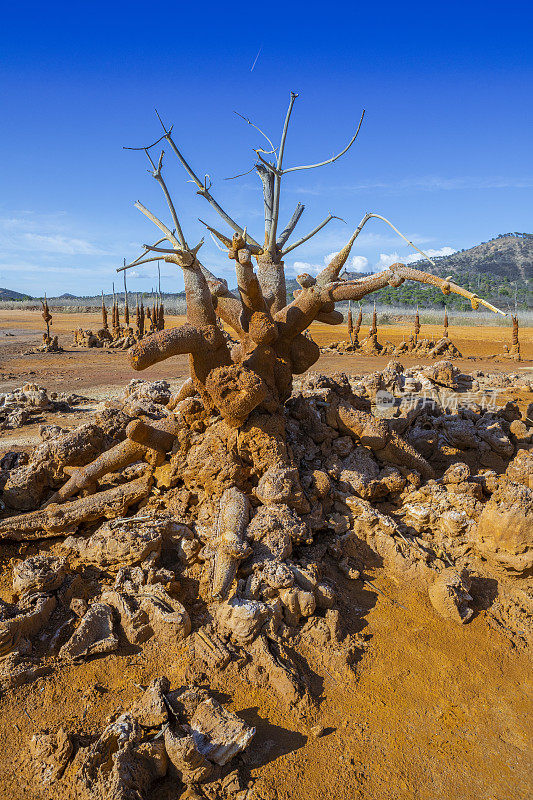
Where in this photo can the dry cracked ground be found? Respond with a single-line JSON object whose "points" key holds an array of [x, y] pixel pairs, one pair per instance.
{"points": [[353, 628]]}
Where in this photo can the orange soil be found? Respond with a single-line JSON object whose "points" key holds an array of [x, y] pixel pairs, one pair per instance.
{"points": [[436, 710], [79, 369]]}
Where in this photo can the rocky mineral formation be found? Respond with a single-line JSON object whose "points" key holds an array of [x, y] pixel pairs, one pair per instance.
{"points": [[239, 514], [183, 733], [29, 402]]}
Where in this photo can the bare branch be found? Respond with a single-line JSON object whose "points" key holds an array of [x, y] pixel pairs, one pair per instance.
{"points": [[222, 237], [279, 164], [309, 235], [333, 158], [138, 263], [158, 249], [378, 216], [257, 129], [356, 234], [277, 178], [148, 147], [267, 179], [168, 233], [217, 243], [240, 174], [161, 181], [291, 225], [163, 239], [202, 188], [227, 241], [267, 164]]}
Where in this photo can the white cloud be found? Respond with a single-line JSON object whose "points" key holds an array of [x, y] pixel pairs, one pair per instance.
{"points": [[300, 267], [62, 244], [360, 264], [386, 259]]}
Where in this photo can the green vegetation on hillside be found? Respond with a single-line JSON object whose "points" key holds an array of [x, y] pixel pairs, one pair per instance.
{"points": [[500, 270]]}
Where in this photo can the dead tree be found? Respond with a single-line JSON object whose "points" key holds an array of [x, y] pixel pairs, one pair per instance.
{"points": [[358, 323], [139, 318], [256, 376], [417, 324], [126, 307], [374, 327], [104, 314], [445, 322], [515, 344], [350, 321], [46, 316], [115, 316]]}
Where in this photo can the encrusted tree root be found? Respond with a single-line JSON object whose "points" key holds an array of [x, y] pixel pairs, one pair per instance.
{"points": [[154, 437], [142, 438], [228, 546], [85, 479], [403, 454], [385, 443], [57, 520]]}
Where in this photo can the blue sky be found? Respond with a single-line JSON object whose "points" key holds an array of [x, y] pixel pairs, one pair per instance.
{"points": [[444, 151]]}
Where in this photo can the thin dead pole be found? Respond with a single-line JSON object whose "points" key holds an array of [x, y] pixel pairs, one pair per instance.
{"points": [[161, 317], [140, 317], [417, 324], [149, 310], [160, 309], [114, 310], [350, 321], [374, 328], [358, 322], [104, 313], [445, 322], [126, 308]]}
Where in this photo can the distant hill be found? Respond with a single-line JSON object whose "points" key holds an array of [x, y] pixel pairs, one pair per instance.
{"points": [[67, 296], [9, 294], [509, 255], [500, 270]]}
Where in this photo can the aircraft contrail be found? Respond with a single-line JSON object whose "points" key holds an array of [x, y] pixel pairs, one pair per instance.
{"points": [[257, 56]]}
